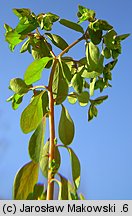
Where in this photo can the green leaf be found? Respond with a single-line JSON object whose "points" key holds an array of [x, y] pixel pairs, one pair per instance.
{"points": [[82, 197], [26, 25], [57, 41], [92, 55], [7, 28], [92, 112], [43, 196], [115, 54], [63, 188], [85, 14], [22, 12], [86, 84], [110, 66], [94, 59], [95, 36], [13, 38], [25, 46], [100, 84], [40, 50], [25, 180], [107, 53], [100, 64], [44, 161], [101, 25], [18, 86], [77, 83], [72, 98], [83, 98], [16, 100], [121, 37], [72, 194], [32, 115], [66, 127], [37, 192], [83, 61], [34, 70], [72, 25], [99, 100], [92, 74], [45, 102], [59, 86], [76, 168], [46, 20], [66, 71], [36, 142], [92, 84], [109, 39]]}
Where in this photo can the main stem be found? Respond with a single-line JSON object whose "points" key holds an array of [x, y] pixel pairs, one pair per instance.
{"points": [[50, 188]]}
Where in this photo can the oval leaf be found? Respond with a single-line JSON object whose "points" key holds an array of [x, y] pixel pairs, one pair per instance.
{"points": [[94, 53], [32, 115], [89, 75], [72, 25], [57, 41], [92, 112], [77, 83], [13, 38], [66, 71], [40, 49], [76, 168], [45, 103], [95, 36], [83, 98], [18, 86], [99, 100], [36, 142], [59, 86], [25, 180], [106, 53], [66, 127], [72, 98], [34, 70]]}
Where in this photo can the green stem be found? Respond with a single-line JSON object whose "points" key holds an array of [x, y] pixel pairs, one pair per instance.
{"points": [[38, 87]]}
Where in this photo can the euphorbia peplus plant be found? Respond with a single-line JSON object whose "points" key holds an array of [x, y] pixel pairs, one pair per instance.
{"points": [[75, 80]]}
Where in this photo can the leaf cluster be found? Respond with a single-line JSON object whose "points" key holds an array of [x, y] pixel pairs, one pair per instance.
{"points": [[70, 79]]}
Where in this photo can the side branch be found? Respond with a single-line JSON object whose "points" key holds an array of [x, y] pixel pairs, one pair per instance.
{"points": [[71, 45]]}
